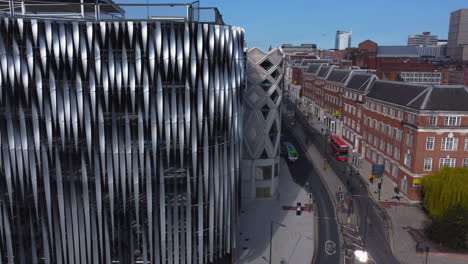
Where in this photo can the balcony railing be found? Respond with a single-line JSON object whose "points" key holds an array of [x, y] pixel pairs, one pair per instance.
{"points": [[104, 10]]}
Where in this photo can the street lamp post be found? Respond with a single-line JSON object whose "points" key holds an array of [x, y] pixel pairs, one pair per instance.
{"points": [[271, 235]]}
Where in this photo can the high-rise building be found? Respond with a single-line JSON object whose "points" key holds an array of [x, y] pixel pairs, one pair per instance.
{"points": [[426, 39], [343, 40], [457, 46], [120, 139]]}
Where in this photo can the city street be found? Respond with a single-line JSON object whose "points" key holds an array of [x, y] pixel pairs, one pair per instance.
{"points": [[303, 172], [375, 236]]}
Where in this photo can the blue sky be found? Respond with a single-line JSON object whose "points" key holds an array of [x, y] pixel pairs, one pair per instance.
{"points": [[273, 22]]}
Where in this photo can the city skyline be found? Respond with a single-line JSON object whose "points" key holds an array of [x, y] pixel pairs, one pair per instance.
{"points": [[303, 21]]}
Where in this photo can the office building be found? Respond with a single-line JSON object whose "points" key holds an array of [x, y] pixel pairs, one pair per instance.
{"points": [[262, 123], [120, 139], [343, 40], [425, 39], [457, 46]]}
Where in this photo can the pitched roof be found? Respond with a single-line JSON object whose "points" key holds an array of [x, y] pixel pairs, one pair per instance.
{"points": [[338, 75], [360, 81], [324, 71], [395, 92], [421, 97], [314, 68], [397, 51], [451, 98]]}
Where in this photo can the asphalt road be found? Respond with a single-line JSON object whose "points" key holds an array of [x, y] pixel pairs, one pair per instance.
{"points": [[375, 237], [305, 175]]}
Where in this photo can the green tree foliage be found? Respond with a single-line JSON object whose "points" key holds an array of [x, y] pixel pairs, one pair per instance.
{"points": [[450, 229], [445, 189]]}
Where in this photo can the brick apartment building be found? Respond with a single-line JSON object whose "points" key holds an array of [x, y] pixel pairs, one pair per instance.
{"points": [[412, 130]]}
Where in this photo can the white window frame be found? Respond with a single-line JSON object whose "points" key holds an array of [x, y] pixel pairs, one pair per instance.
{"points": [[427, 164], [407, 160], [432, 120], [452, 120], [449, 144], [466, 144], [449, 162], [430, 143], [395, 170], [465, 163]]}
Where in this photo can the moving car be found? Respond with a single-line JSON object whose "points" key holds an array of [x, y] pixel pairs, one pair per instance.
{"points": [[290, 151]]}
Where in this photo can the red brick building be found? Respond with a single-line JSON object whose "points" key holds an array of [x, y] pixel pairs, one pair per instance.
{"points": [[390, 61], [412, 130]]}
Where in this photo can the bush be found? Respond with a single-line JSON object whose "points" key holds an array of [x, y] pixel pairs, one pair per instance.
{"points": [[450, 229]]}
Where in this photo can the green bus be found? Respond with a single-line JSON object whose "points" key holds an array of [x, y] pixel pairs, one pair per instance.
{"points": [[290, 151]]}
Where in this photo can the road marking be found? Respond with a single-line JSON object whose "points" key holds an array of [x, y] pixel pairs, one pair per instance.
{"points": [[330, 247]]}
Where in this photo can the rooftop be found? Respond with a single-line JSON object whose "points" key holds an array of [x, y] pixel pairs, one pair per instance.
{"points": [[421, 97], [339, 75], [397, 51], [360, 81]]}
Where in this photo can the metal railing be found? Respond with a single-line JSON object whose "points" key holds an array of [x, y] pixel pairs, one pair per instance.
{"points": [[103, 10]]}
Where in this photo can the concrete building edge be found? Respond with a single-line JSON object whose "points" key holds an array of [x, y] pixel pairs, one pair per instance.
{"points": [[329, 193]]}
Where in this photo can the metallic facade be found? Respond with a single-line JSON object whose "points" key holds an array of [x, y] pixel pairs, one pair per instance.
{"points": [[262, 123], [119, 141]]}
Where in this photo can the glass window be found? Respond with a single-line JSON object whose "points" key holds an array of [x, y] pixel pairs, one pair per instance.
{"points": [[382, 144], [452, 120], [389, 149], [390, 131], [392, 111], [400, 114], [399, 134], [411, 118], [371, 137], [407, 159], [409, 140], [465, 163], [358, 128], [371, 123], [381, 160], [387, 165], [449, 162], [376, 141], [383, 128], [366, 120], [397, 153], [364, 135], [449, 143], [263, 173], [427, 164], [395, 170], [430, 143], [433, 120], [374, 156], [466, 144], [377, 125]]}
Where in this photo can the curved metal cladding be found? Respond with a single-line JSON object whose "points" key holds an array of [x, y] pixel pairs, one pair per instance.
{"points": [[119, 141]]}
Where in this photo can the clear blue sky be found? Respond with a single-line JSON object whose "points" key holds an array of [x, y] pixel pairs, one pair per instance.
{"points": [[274, 22]]}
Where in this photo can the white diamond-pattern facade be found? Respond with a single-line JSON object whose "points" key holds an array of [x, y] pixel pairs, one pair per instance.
{"points": [[120, 141], [262, 123]]}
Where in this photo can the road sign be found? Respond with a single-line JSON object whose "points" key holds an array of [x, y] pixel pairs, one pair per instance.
{"points": [[378, 170]]}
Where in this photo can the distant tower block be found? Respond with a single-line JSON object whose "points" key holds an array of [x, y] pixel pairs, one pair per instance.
{"points": [[262, 123]]}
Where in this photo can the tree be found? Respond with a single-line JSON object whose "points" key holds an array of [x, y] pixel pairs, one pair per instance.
{"points": [[451, 229], [445, 189]]}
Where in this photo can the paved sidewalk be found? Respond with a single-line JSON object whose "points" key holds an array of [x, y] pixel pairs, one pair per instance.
{"points": [[294, 242]]}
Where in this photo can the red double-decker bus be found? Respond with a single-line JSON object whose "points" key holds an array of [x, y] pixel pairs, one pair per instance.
{"points": [[339, 148]]}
